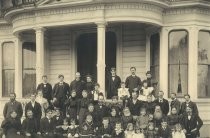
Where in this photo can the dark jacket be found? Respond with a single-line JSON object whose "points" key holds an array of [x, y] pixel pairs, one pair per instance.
{"points": [[30, 125], [112, 87], [46, 126], [37, 110], [191, 104], [194, 122], [177, 104], [133, 82], [164, 105], [10, 106], [46, 90], [78, 86], [134, 108], [61, 92]]}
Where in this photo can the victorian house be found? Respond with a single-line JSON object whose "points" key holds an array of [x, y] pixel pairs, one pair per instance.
{"points": [[169, 37]]}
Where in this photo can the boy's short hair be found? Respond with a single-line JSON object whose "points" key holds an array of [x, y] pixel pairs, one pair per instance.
{"points": [[29, 111], [12, 93], [187, 95], [91, 104], [105, 118], [144, 81], [164, 120], [44, 76], [113, 69], [122, 82], [132, 68], [60, 75], [84, 91]]}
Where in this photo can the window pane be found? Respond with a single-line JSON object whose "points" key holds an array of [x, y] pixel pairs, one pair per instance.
{"points": [[203, 64], [8, 65], [155, 56], [8, 77], [178, 62], [29, 71]]}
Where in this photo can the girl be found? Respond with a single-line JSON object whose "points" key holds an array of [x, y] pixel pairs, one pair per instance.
{"points": [[127, 117], [145, 91], [142, 120], [73, 130], [87, 129], [72, 106], [95, 93], [42, 101], [118, 132], [178, 132], [114, 117], [129, 132], [123, 92], [83, 107], [11, 126]]}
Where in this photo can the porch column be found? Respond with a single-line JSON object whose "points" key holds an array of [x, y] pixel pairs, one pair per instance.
{"points": [[1, 59], [193, 62], [39, 54], [18, 66], [148, 52], [163, 71], [101, 33]]}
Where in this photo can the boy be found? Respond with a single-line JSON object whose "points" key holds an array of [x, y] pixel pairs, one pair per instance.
{"points": [[47, 125], [164, 131], [30, 127], [118, 132], [105, 130], [87, 129]]}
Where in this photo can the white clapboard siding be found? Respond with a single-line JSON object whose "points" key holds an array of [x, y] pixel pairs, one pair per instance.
{"points": [[60, 56], [133, 50]]}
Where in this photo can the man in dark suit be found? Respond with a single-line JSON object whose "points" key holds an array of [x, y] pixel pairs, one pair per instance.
{"points": [[113, 84], [47, 125], [134, 104], [191, 123], [60, 94], [163, 103], [101, 110], [13, 105], [46, 89], [175, 102], [78, 85], [133, 82], [35, 107], [188, 103]]}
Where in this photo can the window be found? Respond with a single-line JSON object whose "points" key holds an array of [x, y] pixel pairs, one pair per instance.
{"points": [[29, 68], [8, 66], [178, 62], [155, 57], [203, 64]]}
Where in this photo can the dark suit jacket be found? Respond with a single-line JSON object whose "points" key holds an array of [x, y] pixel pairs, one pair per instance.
{"points": [[191, 104], [134, 108], [46, 90], [46, 127], [62, 95], [164, 105], [194, 122], [37, 110], [176, 103], [113, 86], [30, 126], [164, 133], [10, 106], [78, 86], [133, 82]]}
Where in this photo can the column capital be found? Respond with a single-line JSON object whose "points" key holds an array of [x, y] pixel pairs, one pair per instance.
{"points": [[101, 24], [39, 29]]}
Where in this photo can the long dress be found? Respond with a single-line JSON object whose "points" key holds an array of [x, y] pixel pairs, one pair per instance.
{"points": [[44, 104]]}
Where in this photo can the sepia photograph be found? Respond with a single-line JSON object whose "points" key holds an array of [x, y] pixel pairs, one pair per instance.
{"points": [[104, 69]]}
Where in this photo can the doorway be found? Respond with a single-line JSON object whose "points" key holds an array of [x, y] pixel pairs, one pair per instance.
{"points": [[87, 54]]}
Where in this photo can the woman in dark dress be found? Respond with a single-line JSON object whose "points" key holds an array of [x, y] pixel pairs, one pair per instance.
{"points": [[72, 106], [12, 126]]}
